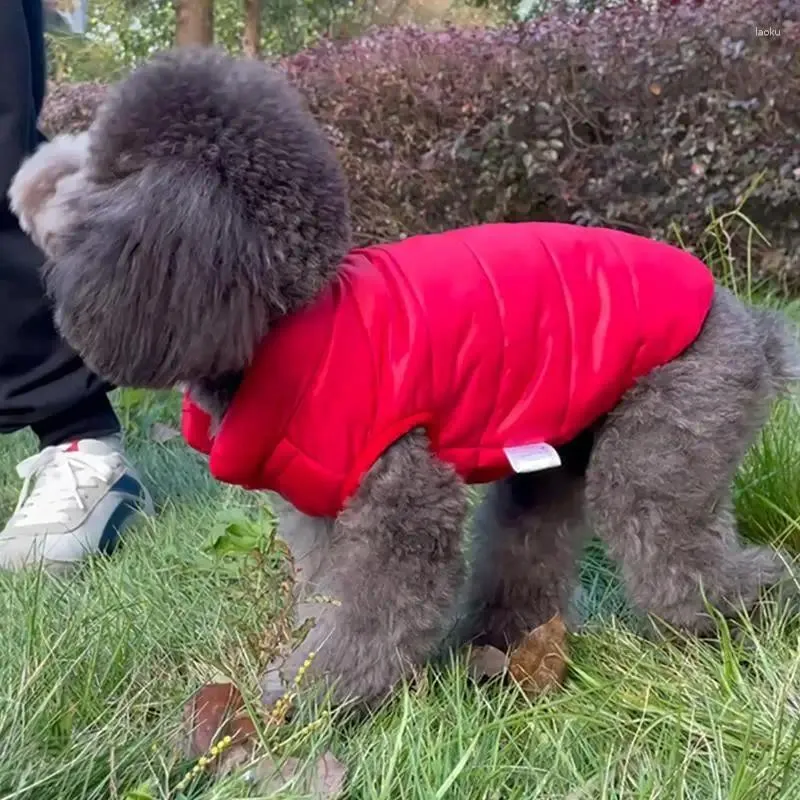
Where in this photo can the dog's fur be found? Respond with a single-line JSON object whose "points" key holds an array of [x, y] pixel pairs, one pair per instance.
{"points": [[210, 205], [213, 170], [39, 188]]}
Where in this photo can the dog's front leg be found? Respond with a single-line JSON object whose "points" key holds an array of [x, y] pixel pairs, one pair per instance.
{"points": [[389, 576], [309, 540]]}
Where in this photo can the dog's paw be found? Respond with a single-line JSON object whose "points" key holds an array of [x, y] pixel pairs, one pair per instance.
{"points": [[304, 668]]}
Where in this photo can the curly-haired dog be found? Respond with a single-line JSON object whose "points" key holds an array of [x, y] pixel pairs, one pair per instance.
{"points": [[205, 241]]}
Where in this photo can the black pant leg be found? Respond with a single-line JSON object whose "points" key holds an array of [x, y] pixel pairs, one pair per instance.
{"points": [[34, 19], [43, 383]]}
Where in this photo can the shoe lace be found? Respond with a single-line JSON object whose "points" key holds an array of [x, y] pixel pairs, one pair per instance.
{"points": [[52, 480]]}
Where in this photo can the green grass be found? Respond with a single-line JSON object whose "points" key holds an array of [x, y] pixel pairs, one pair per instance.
{"points": [[96, 668]]}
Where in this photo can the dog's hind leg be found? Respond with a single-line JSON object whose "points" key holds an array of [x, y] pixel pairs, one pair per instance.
{"points": [[660, 476], [529, 533], [390, 573]]}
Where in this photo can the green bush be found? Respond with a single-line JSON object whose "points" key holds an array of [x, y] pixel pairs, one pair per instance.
{"points": [[646, 121]]}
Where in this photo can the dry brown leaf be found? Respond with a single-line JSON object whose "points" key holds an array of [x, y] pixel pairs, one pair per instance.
{"points": [[206, 716], [241, 729], [539, 663], [329, 777], [235, 757], [325, 782], [217, 710], [487, 662]]}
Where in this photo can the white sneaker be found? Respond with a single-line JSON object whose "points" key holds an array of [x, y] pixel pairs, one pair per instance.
{"points": [[76, 499]]}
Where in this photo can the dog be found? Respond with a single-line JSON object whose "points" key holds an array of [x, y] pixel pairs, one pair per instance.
{"points": [[592, 380]]}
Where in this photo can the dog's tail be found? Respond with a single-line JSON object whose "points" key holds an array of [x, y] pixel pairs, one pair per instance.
{"points": [[780, 339]]}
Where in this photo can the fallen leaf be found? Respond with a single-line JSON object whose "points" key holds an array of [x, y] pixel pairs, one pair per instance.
{"points": [[206, 715], [163, 433], [330, 776], [324, 782], [655, 89], [487, 662], [241, 729], [235, 757], [217, 710], [268, 776], [539, 663]]}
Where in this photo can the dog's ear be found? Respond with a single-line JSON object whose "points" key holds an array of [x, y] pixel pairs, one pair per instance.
{"points": [[158, 281], [51, 169], [212, 205]]}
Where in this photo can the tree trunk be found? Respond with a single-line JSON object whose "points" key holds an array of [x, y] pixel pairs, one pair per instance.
{"points": [[195, 22], [251, 39]]}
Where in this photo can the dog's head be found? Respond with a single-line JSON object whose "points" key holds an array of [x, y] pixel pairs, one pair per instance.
{"points": [[208, 205]]}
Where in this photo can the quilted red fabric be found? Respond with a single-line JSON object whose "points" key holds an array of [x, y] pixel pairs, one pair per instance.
{"points": [[489, 337]]}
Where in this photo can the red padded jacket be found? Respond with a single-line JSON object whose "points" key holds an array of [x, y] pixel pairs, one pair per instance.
{"points": [[489, 337]]}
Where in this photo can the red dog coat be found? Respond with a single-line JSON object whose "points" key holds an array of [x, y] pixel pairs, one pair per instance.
{"points": [[488, 337]]}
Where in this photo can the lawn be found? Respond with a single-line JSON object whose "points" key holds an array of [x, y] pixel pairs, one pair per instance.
{"points": [[97, 668]]}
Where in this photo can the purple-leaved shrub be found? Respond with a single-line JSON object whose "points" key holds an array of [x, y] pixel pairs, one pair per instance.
{"points": [[650, 121]]}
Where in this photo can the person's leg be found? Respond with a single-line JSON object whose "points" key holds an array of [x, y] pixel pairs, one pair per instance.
{"points": [[79, 490], [43, 384], [34, 21]]}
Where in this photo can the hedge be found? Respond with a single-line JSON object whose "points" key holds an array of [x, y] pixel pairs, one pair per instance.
{"points": [[648, 121]]}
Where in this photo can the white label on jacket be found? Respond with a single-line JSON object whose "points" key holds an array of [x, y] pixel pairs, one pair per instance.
{"points": [[532, 457]]}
